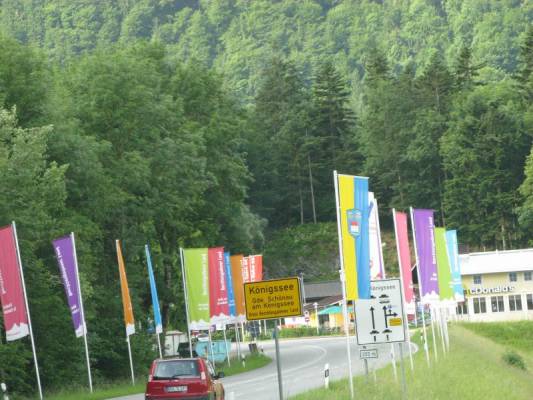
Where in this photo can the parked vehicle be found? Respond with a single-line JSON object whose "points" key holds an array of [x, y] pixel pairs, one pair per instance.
{"points": [[184, 378]]}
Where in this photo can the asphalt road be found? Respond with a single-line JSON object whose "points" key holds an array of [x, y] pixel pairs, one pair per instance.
{"points": [[302, 363]]}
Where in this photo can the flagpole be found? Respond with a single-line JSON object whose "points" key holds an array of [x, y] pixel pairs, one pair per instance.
{"points": [[403, 290], [419, 287], [27, 311], [82, 310], [159, 344], [131, 359], [432, 311], [186, 302], [343, 285]]}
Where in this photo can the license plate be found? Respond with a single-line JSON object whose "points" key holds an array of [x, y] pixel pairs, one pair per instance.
{"points": [[174, 389]]}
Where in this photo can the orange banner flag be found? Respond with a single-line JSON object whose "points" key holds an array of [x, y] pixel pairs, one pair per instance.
{"points": [[126, 300]]}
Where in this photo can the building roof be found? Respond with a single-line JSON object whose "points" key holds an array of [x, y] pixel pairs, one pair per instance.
{"points": [[493, 262], [322, 289], [323, 303]]}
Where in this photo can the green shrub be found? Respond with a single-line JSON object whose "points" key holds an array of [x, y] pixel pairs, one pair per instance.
{"points": [[514, 359]]}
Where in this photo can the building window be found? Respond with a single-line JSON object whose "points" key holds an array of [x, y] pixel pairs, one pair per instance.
{"points": [[462, 308], [512, 277], [515, 302], [477, 279], [527, 276], [497, 303], [529, 298], [480, 307]]}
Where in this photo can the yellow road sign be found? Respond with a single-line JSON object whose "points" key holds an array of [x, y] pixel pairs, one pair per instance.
{"points": [[276, 298]]}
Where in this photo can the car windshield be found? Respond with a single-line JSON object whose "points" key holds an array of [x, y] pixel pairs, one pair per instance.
{"points": [[176, 369]]}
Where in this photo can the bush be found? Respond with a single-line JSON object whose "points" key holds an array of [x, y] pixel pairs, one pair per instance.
{"points": [[514, 359]]}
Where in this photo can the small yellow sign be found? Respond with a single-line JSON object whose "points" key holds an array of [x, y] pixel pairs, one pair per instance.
{"points": [[276, 298], [395, 322]]}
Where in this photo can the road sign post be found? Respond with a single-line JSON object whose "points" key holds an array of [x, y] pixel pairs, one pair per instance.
{"points": [[274, 299], [404, 384]]}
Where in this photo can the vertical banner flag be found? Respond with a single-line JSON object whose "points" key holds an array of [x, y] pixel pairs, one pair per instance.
{"points": [[354, 212], [197, 286], [245, 269], [11, 292], [376, 261], [125, 290], [238, 286], [443, 266], [153, 290], [64, 250], [218, 291], [229, 285], [255, 264], [404, 258], [423, 226], [453, 254]]}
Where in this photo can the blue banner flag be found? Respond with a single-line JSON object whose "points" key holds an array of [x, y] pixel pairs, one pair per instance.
{"points": [[362, 241], [153, 289], [453, 255], [229, 285]]}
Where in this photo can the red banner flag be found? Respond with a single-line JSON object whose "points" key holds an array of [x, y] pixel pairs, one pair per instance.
{"points": [[218, 291], [255, 264], [11, 291], [245, 269], [404, 258]]}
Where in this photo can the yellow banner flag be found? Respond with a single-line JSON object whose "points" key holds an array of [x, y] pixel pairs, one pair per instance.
{"points": [[348, 227], [126, 300]]}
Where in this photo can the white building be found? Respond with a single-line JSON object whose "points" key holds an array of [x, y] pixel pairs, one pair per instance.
{"points": [[498, 286]]}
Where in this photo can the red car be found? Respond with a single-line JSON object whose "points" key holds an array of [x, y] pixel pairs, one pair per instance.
{"points": [[184, 378]]}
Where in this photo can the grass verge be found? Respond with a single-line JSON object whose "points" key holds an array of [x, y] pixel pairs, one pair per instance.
{"points": [[252, 361], [100, 393], [516, 335], [472, 370]]}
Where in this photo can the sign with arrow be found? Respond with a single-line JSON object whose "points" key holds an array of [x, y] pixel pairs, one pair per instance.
{"points": [[380, 319]]}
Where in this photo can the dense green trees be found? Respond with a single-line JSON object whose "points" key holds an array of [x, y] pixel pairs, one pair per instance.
{"points": [[200, 123]]}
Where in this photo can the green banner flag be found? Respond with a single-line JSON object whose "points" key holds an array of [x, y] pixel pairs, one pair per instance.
{"points": [[197, 287], [443, 266]]}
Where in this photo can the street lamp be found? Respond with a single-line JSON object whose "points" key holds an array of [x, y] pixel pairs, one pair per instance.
{"points": [[315, 304]]}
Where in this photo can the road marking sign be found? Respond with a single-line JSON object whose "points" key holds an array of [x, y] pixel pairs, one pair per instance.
{"points": [[380, 319], [368, 353], [272, 299]]}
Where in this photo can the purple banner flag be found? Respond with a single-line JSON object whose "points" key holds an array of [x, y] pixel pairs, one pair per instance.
{"points": [[66, 259], [426, 255]]}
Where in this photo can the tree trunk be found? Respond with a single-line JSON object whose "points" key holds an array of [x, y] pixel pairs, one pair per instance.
{"points": [[311, 187]]}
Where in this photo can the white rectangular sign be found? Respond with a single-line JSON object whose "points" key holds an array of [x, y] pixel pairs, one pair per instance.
{"points": [[368, 353], [380, 319]]}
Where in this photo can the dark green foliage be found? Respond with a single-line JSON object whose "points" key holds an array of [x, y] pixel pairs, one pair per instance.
{"points": [[202, 123], [514, 359]]}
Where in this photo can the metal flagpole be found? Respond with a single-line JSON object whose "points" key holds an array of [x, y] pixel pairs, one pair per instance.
{"points": [[419, 288], [186, 302], [27, 311], [159, 345], [432, 313], [393, 359], [343, 285], [82, 310], [441, 328], [211, 346], [131, 359], [226, 345], [238, 339], [406, 324]]}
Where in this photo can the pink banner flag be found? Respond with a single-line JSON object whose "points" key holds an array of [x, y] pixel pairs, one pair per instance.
{"points": [[404, 259], [218, 291], [11, 291]]}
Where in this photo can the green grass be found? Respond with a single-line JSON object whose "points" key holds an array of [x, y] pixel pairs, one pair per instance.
{"points": [[516, 335], [107, 392], [252, 361], [473, 369]]}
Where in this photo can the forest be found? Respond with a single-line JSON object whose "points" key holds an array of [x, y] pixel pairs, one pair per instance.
{"points": [[219, 123]]}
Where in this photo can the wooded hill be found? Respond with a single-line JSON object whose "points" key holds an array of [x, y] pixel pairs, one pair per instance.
{"points": [[185, 123]]}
